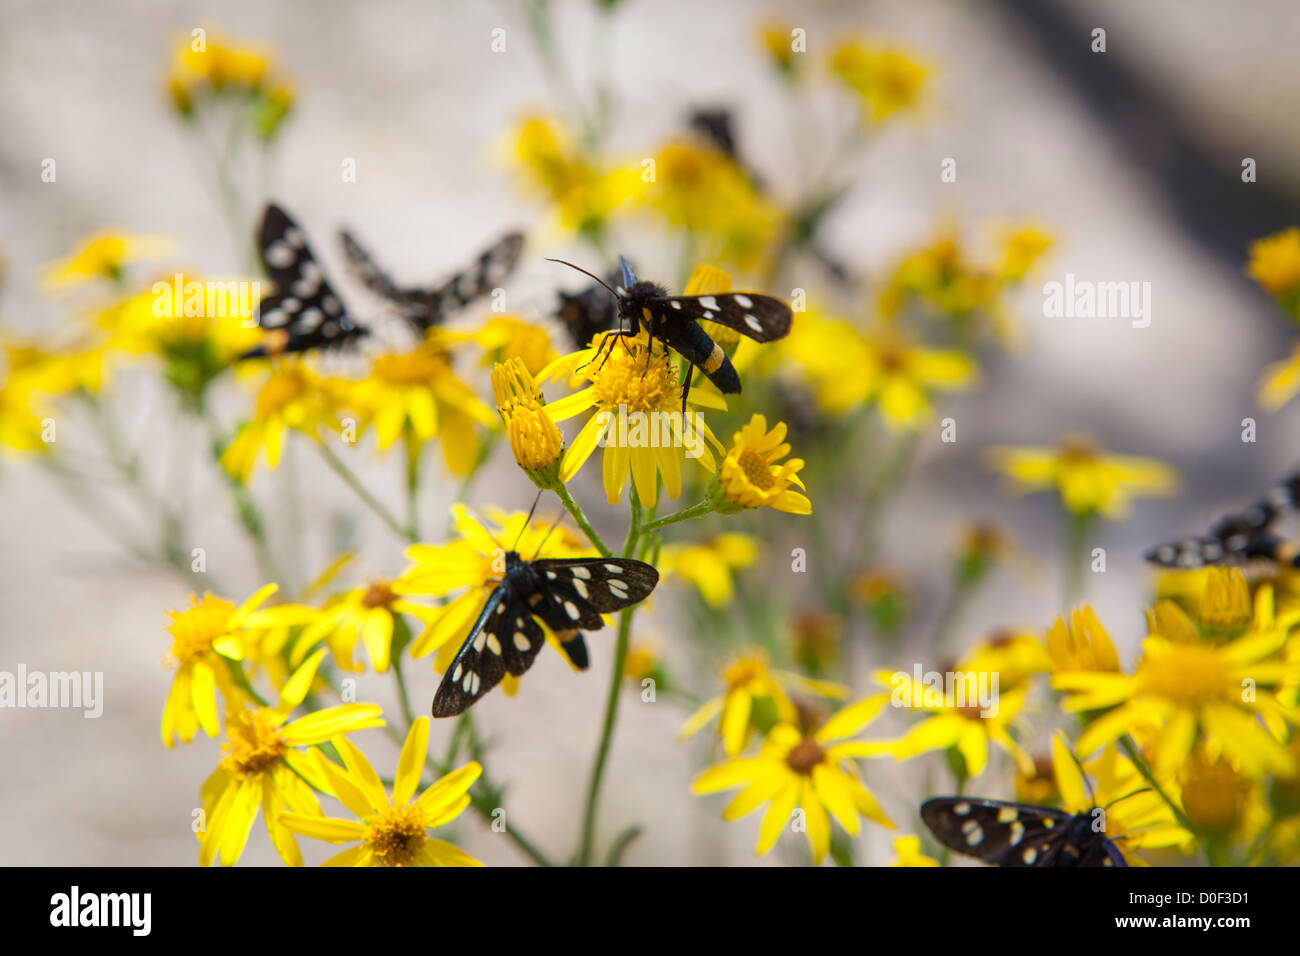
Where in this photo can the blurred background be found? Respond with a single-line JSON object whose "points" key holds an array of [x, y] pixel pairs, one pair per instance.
{"points": [[1131, 160]]}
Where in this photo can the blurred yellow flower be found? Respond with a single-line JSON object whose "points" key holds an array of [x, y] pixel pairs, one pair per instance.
{"points": [[534, 438], [585, 192], [1080, 645], [418, 393], [23, 418], [778, 40], [909, 852], [293, 396], [53, 371], [967, 727], [1015, 656], [1022, 247], [708, 564], [207, 65], [262, 768], [754, 693], [1191, 690], [1088, 479], [810, 773], [506, 337], [104, 256], [1275, 262], [885, 80], [703, 191], [1280, 383], [391, 830], [638, 404]]}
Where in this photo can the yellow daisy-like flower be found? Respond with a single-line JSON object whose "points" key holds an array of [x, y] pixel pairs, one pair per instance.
{"points": [[968, 728], [1080, 645], [1089, 480], [1275, 262], [205, 637], [638, 417], [755, 698], [1191, 689], [885, 80], [534, 438], [293, 396], [104, 255], [504, 338], [585, 193], [750, 476], [23, 417], [262, 767], [218, 68], [54, 371], [846, 369], [811, 773], [708, 564], [908, 848], [418, 392], [1135, 817], [366, 614], [473, 564], [391, 830], [1015, 656], [700, 189]]}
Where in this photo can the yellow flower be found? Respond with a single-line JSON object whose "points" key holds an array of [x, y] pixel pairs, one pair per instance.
{"points": [[1193, 689], [1214, 792], [216, 68], [293, 396], [1013, 656], [534, 439], [1280, 383], [1275, 262], [1135, 817], [391, 830], [642, 661], [506, 337], [755, 695], [1082, 645], [1225, 601], [366, 614], [54, 371], [1022, 247], [23, 417], [473, 564], [418, 393], [1089, 480], [205, 637], [701, 190], [262, 768], [847, 369], [750, 476], [104, 256], [778, 40], [638, 417], [708, 564], [909, 852], [585, 192], [810, 773], [886, 81], [968, 728]]}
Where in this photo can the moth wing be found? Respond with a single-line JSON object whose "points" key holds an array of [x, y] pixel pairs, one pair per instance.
{"points": [[996, 831], [761, 317]]}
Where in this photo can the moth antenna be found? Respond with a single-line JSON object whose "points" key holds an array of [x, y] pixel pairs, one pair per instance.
{"points": [[565, 262], [523, 527], [1126, 796], [555, 524], [474, 518]]}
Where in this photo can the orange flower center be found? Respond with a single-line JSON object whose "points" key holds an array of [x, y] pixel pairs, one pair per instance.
{"points": [[253, 742]]}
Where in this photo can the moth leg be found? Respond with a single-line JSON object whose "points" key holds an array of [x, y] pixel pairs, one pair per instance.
{"points": [[686, 389]]}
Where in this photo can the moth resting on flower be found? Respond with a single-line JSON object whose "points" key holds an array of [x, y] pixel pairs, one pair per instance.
{"points": [[568, 594]]}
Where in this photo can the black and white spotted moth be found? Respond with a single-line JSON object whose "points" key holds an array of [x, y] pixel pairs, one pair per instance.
{"points": [[425, 307], [303, 312], [1239, 537], [1019, 834], [569, 595], [674, 320]]}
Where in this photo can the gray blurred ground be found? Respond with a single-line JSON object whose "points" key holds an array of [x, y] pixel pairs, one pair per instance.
{"points": [[414, 94]]}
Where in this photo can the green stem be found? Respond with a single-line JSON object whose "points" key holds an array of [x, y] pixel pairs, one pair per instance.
{"points": [[575, 509], [352, 481], [612, 697], [694, 511], [1126, 742], [413, 450], [1076, 539]]}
